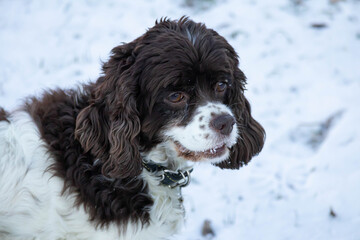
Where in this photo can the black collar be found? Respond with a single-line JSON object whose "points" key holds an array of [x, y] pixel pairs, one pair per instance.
{"points": [[169, 178]]}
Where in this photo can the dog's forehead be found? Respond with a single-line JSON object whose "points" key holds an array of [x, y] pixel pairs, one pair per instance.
{"points": [[183, 57], [192, 46], [178, 69]]}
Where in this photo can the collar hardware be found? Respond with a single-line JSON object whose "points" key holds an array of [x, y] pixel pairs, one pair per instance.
{"points": [[170, 178]]}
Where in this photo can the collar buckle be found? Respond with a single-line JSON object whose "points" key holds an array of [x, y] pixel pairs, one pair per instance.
{"points": [[170, 178], [185, 177]]}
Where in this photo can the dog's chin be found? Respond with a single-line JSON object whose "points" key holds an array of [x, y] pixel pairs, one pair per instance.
{"points": [[214, 155]]}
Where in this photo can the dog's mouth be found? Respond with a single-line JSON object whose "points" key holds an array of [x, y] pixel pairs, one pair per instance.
{"points": [[214, 152]]}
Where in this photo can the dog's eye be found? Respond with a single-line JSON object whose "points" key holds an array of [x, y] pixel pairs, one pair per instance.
{"points": [[176, 97], [221, 86]]}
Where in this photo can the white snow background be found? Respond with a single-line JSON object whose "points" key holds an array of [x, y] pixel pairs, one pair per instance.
{"points": [[302, 60]]}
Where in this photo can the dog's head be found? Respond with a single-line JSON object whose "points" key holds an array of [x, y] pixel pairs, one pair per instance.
{"points": [[178, 84]]}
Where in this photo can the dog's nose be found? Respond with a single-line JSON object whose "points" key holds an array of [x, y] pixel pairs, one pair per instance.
{"points": [[223, 123]]}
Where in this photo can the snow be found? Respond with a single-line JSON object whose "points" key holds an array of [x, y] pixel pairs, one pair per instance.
{"points": [[303, 84]]}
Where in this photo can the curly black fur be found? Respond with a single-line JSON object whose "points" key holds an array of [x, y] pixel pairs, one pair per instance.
{"points": [[105, 199]]}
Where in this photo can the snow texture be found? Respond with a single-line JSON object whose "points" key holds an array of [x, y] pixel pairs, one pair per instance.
{"points": [[302, 60]]}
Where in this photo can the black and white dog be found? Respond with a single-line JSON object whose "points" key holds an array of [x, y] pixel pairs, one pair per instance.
{"points": [[107, 160]]}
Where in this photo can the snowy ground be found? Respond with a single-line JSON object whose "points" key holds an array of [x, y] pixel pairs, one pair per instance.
{"points": [[302, 59]]}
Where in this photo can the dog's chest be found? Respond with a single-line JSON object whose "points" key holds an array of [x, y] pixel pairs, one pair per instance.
{"points": [[166, 217], [167, 213]]}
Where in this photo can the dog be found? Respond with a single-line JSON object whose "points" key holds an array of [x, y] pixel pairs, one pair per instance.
{"points": [[107, 160]]}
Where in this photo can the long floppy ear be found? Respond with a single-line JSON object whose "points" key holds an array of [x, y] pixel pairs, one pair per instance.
{"points": [[251, 133], [110, 125]]}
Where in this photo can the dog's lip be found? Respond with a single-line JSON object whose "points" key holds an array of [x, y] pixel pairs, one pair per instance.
{"points": [[213, 152]]}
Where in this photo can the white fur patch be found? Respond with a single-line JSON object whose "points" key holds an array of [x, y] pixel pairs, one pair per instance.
{"points": [[191, 36]]}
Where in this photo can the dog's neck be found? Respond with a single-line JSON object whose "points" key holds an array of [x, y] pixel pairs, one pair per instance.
{"points": [[164, 156], [164, 165]]}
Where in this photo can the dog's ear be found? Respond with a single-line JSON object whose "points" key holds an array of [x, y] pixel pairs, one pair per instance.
{"points": [[110, 125], [251, 133]]}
